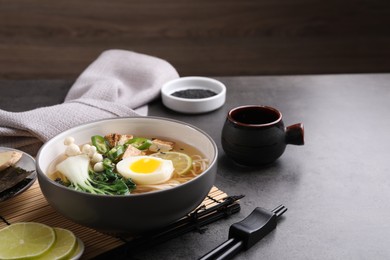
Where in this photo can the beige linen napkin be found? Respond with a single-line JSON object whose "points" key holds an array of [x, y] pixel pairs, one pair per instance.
{"points": [[115, 84]]}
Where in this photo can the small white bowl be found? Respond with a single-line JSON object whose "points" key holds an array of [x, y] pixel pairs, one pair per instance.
{"points": [[193, 105]]}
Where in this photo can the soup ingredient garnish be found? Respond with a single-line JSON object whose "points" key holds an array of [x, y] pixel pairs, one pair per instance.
{"points": [[100, 143], [115, 154], [76, 170], [131, 151], [140, 143], [115, 139], [146, 169], [118, 164], [25, 240], [194, 93], [181, 161], [161, 146], [9, 158]]}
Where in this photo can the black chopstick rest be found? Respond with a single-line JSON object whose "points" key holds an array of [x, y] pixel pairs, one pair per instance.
{"points": [[244, 234]]}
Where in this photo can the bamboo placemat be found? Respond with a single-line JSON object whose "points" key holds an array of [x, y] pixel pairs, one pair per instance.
{"points": [[32, 206]]}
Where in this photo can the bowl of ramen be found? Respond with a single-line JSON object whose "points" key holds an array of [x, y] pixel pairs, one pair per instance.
{"points": [[127, 175]]}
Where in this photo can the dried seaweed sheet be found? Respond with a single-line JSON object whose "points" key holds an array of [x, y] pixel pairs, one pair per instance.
{"points": [[12, 176]]}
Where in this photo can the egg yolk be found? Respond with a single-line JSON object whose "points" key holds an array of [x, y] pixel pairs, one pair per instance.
{"points": [[145, 165]]}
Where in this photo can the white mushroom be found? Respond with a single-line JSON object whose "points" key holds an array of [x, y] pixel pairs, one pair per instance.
{"points": [[72, 150], [86, 149], [97, 157], [92, 151], [98, 167], [69, 140]]}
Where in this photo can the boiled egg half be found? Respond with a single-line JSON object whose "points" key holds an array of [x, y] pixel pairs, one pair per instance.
{"points": [[145, 169]]}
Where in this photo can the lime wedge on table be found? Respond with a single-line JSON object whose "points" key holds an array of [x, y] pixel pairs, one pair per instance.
{"points": [[63, 246], [25, 239], [181, 161]]}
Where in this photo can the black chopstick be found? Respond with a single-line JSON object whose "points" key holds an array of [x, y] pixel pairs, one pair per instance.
{"points": [[194, 221]]}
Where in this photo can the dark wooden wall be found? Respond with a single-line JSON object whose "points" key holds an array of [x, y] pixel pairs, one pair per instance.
{"points": [[59, 38]]}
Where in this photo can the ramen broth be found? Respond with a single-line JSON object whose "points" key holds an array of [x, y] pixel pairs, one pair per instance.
{"points": [[199, 165]]}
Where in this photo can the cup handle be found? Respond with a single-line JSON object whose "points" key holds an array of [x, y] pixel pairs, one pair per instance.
{"points": [[295, 134]]}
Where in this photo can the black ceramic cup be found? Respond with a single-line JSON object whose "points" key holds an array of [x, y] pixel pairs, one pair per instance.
{"points": [[255, 135]]}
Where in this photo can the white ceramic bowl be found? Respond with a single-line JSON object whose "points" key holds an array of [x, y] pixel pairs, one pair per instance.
{"points": [[134, 213], [193, 105]]}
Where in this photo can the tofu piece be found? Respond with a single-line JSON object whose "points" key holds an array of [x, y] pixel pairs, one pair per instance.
{"points": [[161, 146], [111, 138], [117, 139], [131, 151], [123, 139]]}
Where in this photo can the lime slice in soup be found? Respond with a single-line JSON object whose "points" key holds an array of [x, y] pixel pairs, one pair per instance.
{"points": [[25, 240], [181, 161]]}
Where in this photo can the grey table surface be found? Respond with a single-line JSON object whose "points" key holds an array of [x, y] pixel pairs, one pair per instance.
{"points": [[336, 187]]}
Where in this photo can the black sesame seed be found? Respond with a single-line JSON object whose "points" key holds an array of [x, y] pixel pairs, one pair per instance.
{"points": [[194, 93]]}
